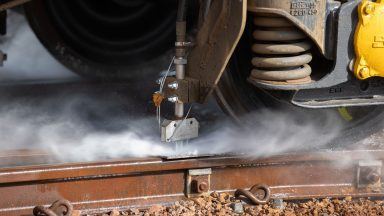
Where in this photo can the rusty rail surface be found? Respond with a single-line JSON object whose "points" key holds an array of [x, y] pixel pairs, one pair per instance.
{"points": [[9, 158], [100, 186]]}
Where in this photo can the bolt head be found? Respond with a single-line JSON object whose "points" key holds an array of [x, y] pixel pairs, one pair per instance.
{"points": [[173, 85], [203, 187], [158, 81], [364, 72], [374, 177], [369, 9], [173, 99]]}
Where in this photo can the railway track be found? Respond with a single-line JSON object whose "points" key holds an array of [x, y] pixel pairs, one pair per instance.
{"points": [[121, 184]]}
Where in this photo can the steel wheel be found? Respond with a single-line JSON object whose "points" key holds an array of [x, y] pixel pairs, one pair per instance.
{"points": [[106, 38]]}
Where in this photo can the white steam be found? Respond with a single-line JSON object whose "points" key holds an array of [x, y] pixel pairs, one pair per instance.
{"points": [[27, 58], [65, 132], [266, 133], [69, 137]]}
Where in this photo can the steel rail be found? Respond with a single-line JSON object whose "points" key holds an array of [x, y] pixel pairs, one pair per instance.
{"points": [[23, 157], [121, 184]]}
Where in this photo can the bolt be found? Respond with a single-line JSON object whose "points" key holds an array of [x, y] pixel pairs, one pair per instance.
{"points": [[364, 72], [369, 9], [203, 187], [173, 85], [373, 177], [173, 99], [158, 81]]}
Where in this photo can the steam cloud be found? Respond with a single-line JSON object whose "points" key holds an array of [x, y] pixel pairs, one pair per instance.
{"points": [[71, 137], [64, 131], [27, 58]]}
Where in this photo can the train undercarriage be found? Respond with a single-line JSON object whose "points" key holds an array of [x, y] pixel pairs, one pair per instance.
{"points": [[295, 56], [302, 58]]}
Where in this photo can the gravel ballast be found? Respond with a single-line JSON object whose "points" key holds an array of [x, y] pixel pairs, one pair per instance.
{"points": [[225, 204]]}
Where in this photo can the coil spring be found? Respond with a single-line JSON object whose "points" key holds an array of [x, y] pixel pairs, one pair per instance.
{"points": [[281, 50]]}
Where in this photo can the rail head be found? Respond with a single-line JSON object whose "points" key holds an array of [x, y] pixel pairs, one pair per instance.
{"points": [[71, 171]]}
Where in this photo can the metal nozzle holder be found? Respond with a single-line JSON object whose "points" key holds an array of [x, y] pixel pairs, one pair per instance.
{"points": [[182, 128]]}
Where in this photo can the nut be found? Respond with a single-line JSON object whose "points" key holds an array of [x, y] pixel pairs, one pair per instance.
{"points": [[203, 187], [364, 72], [373, 177], [180, 61], [173, 85], [369, 9], [173, 99], [159, 81]]}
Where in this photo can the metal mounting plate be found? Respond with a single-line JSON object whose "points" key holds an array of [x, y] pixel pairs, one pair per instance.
{"points": [[177, 130], [369, 174], [198, 182]]}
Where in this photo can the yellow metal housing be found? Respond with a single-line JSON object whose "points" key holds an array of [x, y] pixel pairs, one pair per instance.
{"points": [[369, 40]]}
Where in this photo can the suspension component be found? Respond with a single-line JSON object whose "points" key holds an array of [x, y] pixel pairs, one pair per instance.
{"points": [[281, 51]]}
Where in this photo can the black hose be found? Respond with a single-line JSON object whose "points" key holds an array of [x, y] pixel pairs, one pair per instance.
{"points": [[182, 11]]}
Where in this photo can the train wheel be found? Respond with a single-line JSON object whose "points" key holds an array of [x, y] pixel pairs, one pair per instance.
{"points": [[106, 38]]}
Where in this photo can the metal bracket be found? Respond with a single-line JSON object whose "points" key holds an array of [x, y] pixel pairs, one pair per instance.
{"points": [[187, 90], [178, 130], [369, 175], [215, 43], [198, 182]]}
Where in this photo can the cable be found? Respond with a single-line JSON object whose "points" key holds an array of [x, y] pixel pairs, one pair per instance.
{"points": [[178, 126], [162, 82]]}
